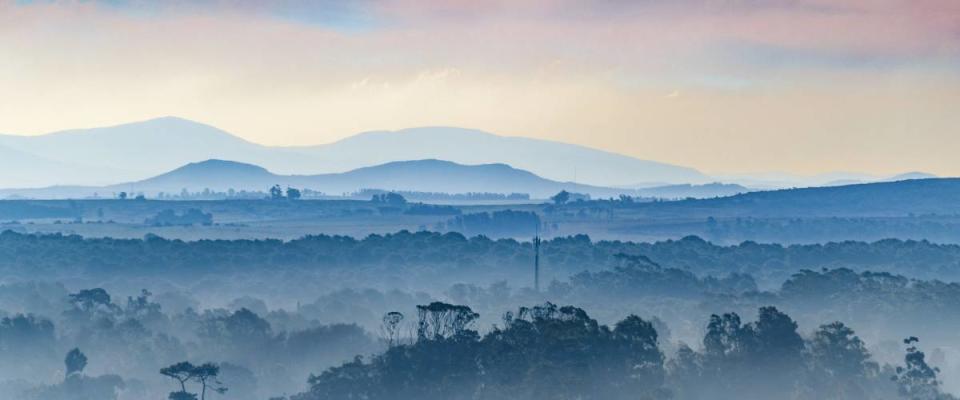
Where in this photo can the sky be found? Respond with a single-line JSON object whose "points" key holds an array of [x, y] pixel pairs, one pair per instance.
{"points": [[725, 86]]}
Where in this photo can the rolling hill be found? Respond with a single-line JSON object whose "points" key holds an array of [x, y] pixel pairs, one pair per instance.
{"points": [[883, 199]]}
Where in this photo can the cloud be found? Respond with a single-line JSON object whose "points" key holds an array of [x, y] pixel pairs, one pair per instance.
{"points": [[592, 72]]}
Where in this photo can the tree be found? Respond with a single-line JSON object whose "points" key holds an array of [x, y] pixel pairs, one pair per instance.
{"points": [[839, 364], [390, 327], [439, 321], [293, 193], [917, 380], [206, 375], [561, 198], [837, 351], [75, 362], [182, 372], [182, 396], [122, 195], [89, 299], [276, 193]]}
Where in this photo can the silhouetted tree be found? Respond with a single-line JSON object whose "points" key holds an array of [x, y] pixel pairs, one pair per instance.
{"points": [[181, 372], [293, 193], [561, 198], [206, 375], [75, 362], [917, 379]]}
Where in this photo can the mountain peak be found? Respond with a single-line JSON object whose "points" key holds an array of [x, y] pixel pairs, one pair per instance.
{"points": [[214, 164], [213, 172]]}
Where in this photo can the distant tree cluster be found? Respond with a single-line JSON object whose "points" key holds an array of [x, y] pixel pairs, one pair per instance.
{"points": [[389, 198], [640, 276], [505, 223], [208, 194], [438, 196], [277, 193], [432, 209], [190, 217]]}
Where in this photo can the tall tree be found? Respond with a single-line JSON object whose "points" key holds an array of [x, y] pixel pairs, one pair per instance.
{"points": [[206, 374]]}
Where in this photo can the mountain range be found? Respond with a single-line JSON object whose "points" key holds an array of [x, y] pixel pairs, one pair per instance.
{"points": [[417, 175], [137, 150], [134, 151]]}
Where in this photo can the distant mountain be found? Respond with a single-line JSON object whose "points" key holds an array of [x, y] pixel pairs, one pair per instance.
{"points": [[137, 150], [133, 151], [552, 160], [420, 175]]}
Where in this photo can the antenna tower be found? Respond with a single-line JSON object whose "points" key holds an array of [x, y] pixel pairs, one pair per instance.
{"points": [[536, 262]]}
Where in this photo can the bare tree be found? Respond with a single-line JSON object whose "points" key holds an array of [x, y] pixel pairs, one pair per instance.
{"points": [[390, 328]]}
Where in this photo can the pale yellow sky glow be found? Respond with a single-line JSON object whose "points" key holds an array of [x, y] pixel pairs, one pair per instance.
{"points": [[722, 86]]}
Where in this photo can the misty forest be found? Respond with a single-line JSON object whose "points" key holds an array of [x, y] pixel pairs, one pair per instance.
{"points": [[280, 294], [479, 200]]}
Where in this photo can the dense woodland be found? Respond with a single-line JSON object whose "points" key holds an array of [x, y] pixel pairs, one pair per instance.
{"points": [[100, 348], [454, 257]]}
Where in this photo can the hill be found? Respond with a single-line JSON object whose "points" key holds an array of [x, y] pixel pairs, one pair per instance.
{"points": [[899, 198]]}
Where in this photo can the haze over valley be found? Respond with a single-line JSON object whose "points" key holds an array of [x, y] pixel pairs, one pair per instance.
{"points": [[493, 200]]}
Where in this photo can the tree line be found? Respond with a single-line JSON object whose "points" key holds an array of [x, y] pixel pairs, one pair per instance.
{"points": [[553, 352]]}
